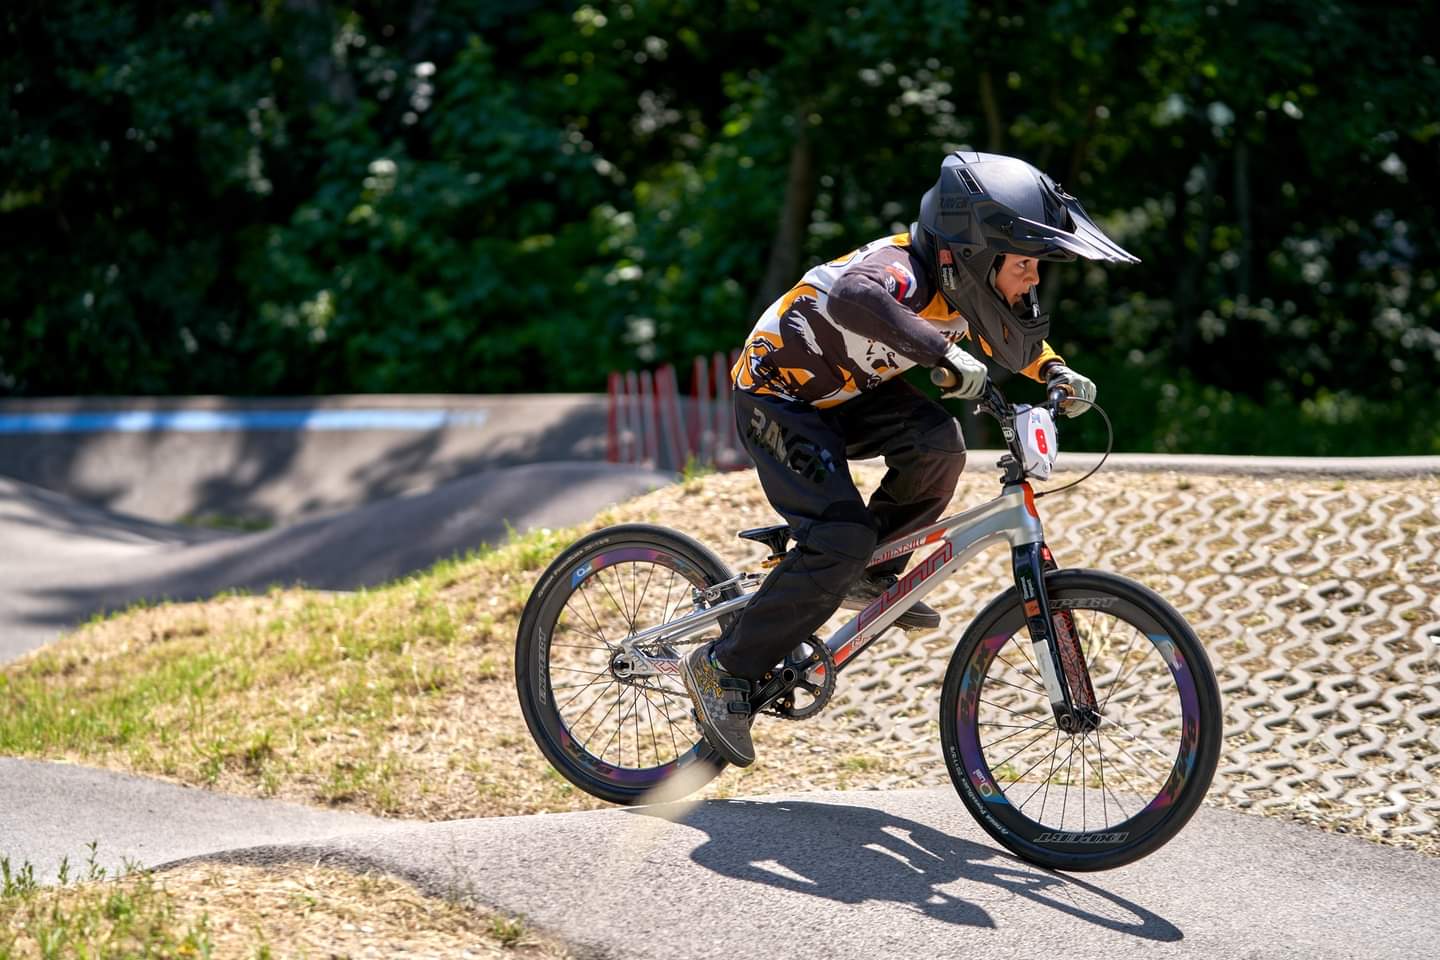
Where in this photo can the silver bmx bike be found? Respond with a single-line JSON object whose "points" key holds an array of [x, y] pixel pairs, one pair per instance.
{"points": [[1079, 716]]}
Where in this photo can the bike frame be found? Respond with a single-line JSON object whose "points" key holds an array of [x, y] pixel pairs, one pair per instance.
{"points": [[1012, 518]]}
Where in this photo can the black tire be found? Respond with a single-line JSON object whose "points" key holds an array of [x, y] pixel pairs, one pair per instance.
{"points": [[607, 585], [1003, 747]]}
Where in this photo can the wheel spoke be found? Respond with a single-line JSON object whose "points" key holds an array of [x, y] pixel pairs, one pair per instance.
{"points": [[619, 724], [1007, 683], [1040, 684], [584, 592], [592, 673], [640, 601], [637, 723], [1131, 757], [602, 695], [585, 634], [986, 746], [1065, 800], [1020, 645], [1054, 752], [1104, 788], [1054, 749], [577, 693], [1120, 681], [1018, 752], [1018, 713], [619, 607]]}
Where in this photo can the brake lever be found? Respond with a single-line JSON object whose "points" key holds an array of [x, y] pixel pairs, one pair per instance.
{"points": [[994, 402], [1053, 400]]}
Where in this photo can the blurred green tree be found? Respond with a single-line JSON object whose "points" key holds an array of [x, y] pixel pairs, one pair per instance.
{"points": [[312, 196]]}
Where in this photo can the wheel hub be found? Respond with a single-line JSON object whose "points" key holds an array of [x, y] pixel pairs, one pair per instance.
{"points": [[621, 666], [1077, 721]]}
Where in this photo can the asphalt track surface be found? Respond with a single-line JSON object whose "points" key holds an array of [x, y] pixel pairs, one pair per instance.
{"points": [[52, 812], [65, 560], [902, 874]]}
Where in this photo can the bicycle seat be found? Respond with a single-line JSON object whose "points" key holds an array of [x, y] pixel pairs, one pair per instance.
{"points": [[773, 537]]}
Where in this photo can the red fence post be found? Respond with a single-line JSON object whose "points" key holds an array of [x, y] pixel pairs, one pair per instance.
{"points": [[634, 428], [731, 429], [650, 415], [612, 417], [679, 441], [695, 422]]}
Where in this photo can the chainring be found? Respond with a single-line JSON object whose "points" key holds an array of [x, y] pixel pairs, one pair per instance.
{"points": [[803, 659]]}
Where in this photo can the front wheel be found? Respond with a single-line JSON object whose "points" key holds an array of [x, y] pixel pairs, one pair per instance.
{"points": [[1103, 797], [616, 728]]}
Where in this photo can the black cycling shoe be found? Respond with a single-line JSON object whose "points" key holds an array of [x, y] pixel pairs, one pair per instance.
{"points": [[722, 705], [920, 616]]}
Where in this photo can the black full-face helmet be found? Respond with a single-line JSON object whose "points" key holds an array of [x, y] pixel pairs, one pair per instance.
{"points": [[985, 205]]}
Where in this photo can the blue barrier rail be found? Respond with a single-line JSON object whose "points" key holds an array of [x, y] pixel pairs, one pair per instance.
{"points": [[217, 421]]}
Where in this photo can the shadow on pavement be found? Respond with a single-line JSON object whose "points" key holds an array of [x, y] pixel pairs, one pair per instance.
{"points": [[853, 855]]}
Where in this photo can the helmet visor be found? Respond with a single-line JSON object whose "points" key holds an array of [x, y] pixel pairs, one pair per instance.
{"points": [[1083, 238]]}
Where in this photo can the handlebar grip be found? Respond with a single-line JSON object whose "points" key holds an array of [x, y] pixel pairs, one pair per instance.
{"points": [[944, 377]]}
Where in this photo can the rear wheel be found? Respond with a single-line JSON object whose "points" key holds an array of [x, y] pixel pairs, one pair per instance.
{"points": [[614, 728], [1099, 798]]}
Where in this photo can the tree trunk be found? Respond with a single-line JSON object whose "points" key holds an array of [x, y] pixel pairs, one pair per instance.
{"points": [[1242, 216], [1053, 281], [326, 75], [783, 268], [1191, 275], [995, 129]]}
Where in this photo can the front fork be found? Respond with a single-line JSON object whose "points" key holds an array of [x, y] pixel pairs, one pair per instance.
{"points": [[1056, 643]]}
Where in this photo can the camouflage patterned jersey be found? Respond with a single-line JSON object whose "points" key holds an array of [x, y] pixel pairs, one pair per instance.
{"points": [[851, 324]]}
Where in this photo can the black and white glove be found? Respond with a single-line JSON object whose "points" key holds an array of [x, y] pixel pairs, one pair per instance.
{"points": [[1079, 386], [968, 372]]}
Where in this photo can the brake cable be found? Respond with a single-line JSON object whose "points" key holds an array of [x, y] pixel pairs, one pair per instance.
{"points": [[1109, 445]]}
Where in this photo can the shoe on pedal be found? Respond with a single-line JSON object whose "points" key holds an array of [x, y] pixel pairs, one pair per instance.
{"points": [[722, 705], [920, 616]]}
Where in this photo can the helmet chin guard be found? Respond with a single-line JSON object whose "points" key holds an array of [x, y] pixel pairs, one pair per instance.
{"points": [[985, 205]]}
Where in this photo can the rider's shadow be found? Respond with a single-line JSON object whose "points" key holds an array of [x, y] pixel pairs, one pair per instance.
{"points": [[856, 854]]}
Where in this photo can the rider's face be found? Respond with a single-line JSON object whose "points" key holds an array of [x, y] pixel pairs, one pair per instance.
{"points": [[1016, 276]]}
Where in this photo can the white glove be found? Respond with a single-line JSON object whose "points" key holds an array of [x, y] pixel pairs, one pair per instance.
{"points": [[1079, 386], [970, 374]]}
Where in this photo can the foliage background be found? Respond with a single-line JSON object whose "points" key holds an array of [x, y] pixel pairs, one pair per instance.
{"points": [[306, 196]]}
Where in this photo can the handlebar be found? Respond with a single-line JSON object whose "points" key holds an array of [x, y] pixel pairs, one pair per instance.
{"points": [[943, 377], [992, 401]]}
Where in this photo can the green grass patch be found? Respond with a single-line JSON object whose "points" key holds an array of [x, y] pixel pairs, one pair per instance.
{"points": [[222, 521], [83, 916], [341, 699]]}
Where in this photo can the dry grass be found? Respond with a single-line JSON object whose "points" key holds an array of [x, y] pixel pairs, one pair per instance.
{"points": [[247, 912]]}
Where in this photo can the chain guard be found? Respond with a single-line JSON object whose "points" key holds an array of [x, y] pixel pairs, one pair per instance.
{"points": [[785, 704]]}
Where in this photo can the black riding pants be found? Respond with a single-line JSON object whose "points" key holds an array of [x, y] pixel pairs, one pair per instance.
{"points": [[802, 457]]}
